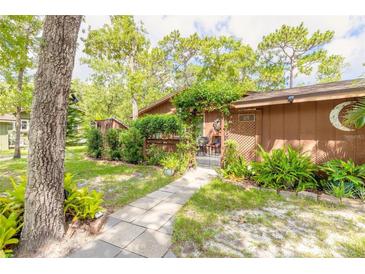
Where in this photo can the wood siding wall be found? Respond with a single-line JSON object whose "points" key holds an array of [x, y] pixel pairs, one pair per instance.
{"points": [[165, 107], [307, 126]]}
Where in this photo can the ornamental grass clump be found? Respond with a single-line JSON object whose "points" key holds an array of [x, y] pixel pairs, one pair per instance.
{"points": [[285, 169]]}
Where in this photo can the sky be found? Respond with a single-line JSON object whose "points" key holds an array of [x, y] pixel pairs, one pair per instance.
{"points": [[349, 39]]}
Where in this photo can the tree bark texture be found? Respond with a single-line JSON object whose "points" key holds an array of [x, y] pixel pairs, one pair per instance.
{"points": [[44, 218], [134, 108], [18, 117]]}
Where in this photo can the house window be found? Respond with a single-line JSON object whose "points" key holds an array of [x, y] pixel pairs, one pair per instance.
{"points": [[247, 118], [24, 125]]}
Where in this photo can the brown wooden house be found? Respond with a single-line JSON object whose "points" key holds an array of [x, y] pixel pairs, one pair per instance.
{"points": [[309, 118], [108, 123]]}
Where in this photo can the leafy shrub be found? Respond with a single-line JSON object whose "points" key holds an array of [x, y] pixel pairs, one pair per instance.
{"points": [[234, 165], [284, 168], [94, 143], [152, 124], [112, 139], [171, 161], [132, 145], [13, 199], [9, 228], [344, 178], [230, 152], [81, 203], [154, 155]]}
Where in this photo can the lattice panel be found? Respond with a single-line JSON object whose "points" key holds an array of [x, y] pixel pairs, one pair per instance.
{"points": [[244, 133]]}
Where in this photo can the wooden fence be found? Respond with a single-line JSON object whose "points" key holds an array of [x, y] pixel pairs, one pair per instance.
{"points": [[168, 145]]}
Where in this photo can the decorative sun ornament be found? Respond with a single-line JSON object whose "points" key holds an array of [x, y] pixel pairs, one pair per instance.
{"points": [[335, 116]]}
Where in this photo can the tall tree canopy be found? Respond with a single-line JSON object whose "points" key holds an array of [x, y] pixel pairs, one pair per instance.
{"points": [[290, 51], [120, 49], [18, 50]]}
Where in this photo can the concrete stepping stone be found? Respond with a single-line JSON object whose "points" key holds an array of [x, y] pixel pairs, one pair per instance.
{"points": [[167, 207], [160, 195], [170, 189], [96, 249], [145, 203], [127, 254], [151, 244], [179, 198], [168, 227], [169, 254], [110, 222], [152, 219], [128, 213], [122, 234]]}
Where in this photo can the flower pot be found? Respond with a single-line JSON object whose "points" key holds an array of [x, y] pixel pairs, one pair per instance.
{"points": [[168, 171]]}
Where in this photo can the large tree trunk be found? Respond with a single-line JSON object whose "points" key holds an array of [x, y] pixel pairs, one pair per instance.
{"points": [[44, 218], [18, 117]]}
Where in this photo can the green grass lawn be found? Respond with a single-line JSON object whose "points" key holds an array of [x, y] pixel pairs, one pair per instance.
{"points": [[223, 220], [10, 152], [121, 183]]}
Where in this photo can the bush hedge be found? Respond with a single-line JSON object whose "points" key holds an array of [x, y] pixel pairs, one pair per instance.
{"points": [[153, 124]]}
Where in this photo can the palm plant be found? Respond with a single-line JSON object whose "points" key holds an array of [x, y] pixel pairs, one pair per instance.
{"points": [[356, 115]]}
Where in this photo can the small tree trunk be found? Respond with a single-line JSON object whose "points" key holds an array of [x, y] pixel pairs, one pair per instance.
{"points": [[134, 108], [291, 76], [18, 117], [44, 218], [17, 133]]}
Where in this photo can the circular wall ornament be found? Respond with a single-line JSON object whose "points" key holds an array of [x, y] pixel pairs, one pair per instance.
{"points": [[335, 113], [217, 124]]}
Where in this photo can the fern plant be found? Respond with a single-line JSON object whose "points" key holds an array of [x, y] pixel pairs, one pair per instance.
{"points": [[284, 168]]}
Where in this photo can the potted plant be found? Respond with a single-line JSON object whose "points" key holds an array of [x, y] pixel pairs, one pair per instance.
{"points": [[170, 164]]}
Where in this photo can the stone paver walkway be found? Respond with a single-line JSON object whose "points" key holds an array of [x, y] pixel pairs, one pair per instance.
{"points": [[143, 228]]}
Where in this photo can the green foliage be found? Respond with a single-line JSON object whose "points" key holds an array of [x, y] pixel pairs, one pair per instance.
{"points": [[166, 124], [113, 142], [356, 115], [75, 119], [80, 203], [126, 68], [132, 145], [290, 51], [171, 161], [83, 204], [206, 96], [330, 70], [11, 216], [9, 228], [344, 178], [234, 165], [155, 154], [94, 142], [13, 199], [284, 168]]}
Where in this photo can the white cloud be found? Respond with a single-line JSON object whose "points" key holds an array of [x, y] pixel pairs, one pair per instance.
{"points": [[251, 29]]}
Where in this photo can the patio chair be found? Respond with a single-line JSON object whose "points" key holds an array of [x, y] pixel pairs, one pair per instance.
{"points": [[202, 144]]}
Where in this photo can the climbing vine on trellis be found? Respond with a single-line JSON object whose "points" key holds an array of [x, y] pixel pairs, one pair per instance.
{"points": [[201, 97]]}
